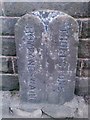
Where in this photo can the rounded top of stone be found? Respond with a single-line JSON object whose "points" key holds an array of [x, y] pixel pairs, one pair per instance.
{"points": [[47, 14]]}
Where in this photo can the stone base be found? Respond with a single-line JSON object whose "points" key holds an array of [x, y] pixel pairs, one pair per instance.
{"points": [[76, 108]]}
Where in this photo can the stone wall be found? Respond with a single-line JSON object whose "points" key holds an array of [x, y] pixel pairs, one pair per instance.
{"points": [[12, 11]]}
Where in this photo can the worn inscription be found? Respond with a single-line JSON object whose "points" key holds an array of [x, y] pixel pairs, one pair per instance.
{"points": [[29, 34]]}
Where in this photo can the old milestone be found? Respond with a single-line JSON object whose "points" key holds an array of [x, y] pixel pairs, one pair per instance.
{"points": [[46, 45]]}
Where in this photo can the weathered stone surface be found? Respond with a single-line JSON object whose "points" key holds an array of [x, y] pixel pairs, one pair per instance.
{"points": [[83, 81], [47, 54], [83, 73], [85, 63], [85, 33], [8, 46], [82, 86], [83, 68], [76, 107], [6, 65], [8, 24], [76, 9], [15, 65], [9, 82], [83, 49], [82, 91], [72, 109], [84, 27]]}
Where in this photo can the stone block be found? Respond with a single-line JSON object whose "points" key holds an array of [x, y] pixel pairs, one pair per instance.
{"points": [[6, 65], [84, 27], [8, 24], [8, 46], [82, 86], [83, 49], [9, 82], [47, 55]]}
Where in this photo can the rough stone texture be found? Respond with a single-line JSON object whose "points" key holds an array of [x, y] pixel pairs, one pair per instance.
{"points": [[85, 63], [9, 82], [75, 9], [84, 81], [75, 108], [8, 24], [84, 49], [83, 73], [6, 65], [82, 86], [83, 68], [15, 65], [87, 99], [8, 46], [84, 27], [47, 54], [82, 91], [86, 66]]}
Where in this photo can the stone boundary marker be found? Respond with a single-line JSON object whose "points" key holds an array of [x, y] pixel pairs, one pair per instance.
{"points": [[47, 56]]}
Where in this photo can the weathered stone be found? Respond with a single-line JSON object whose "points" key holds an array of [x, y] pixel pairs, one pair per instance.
{"points": [[11, 108], [75, 9], [83, 49], [8, 46], [83, 68], [72, 109], [85, 63], [82, 86], [59, 111], [6, 65], [85, 73], [87, 99], [9, 82], [8, 24], [82, 91], [83, 81], [84, 27], [47, 54], [24, 114], [15, 65]]}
